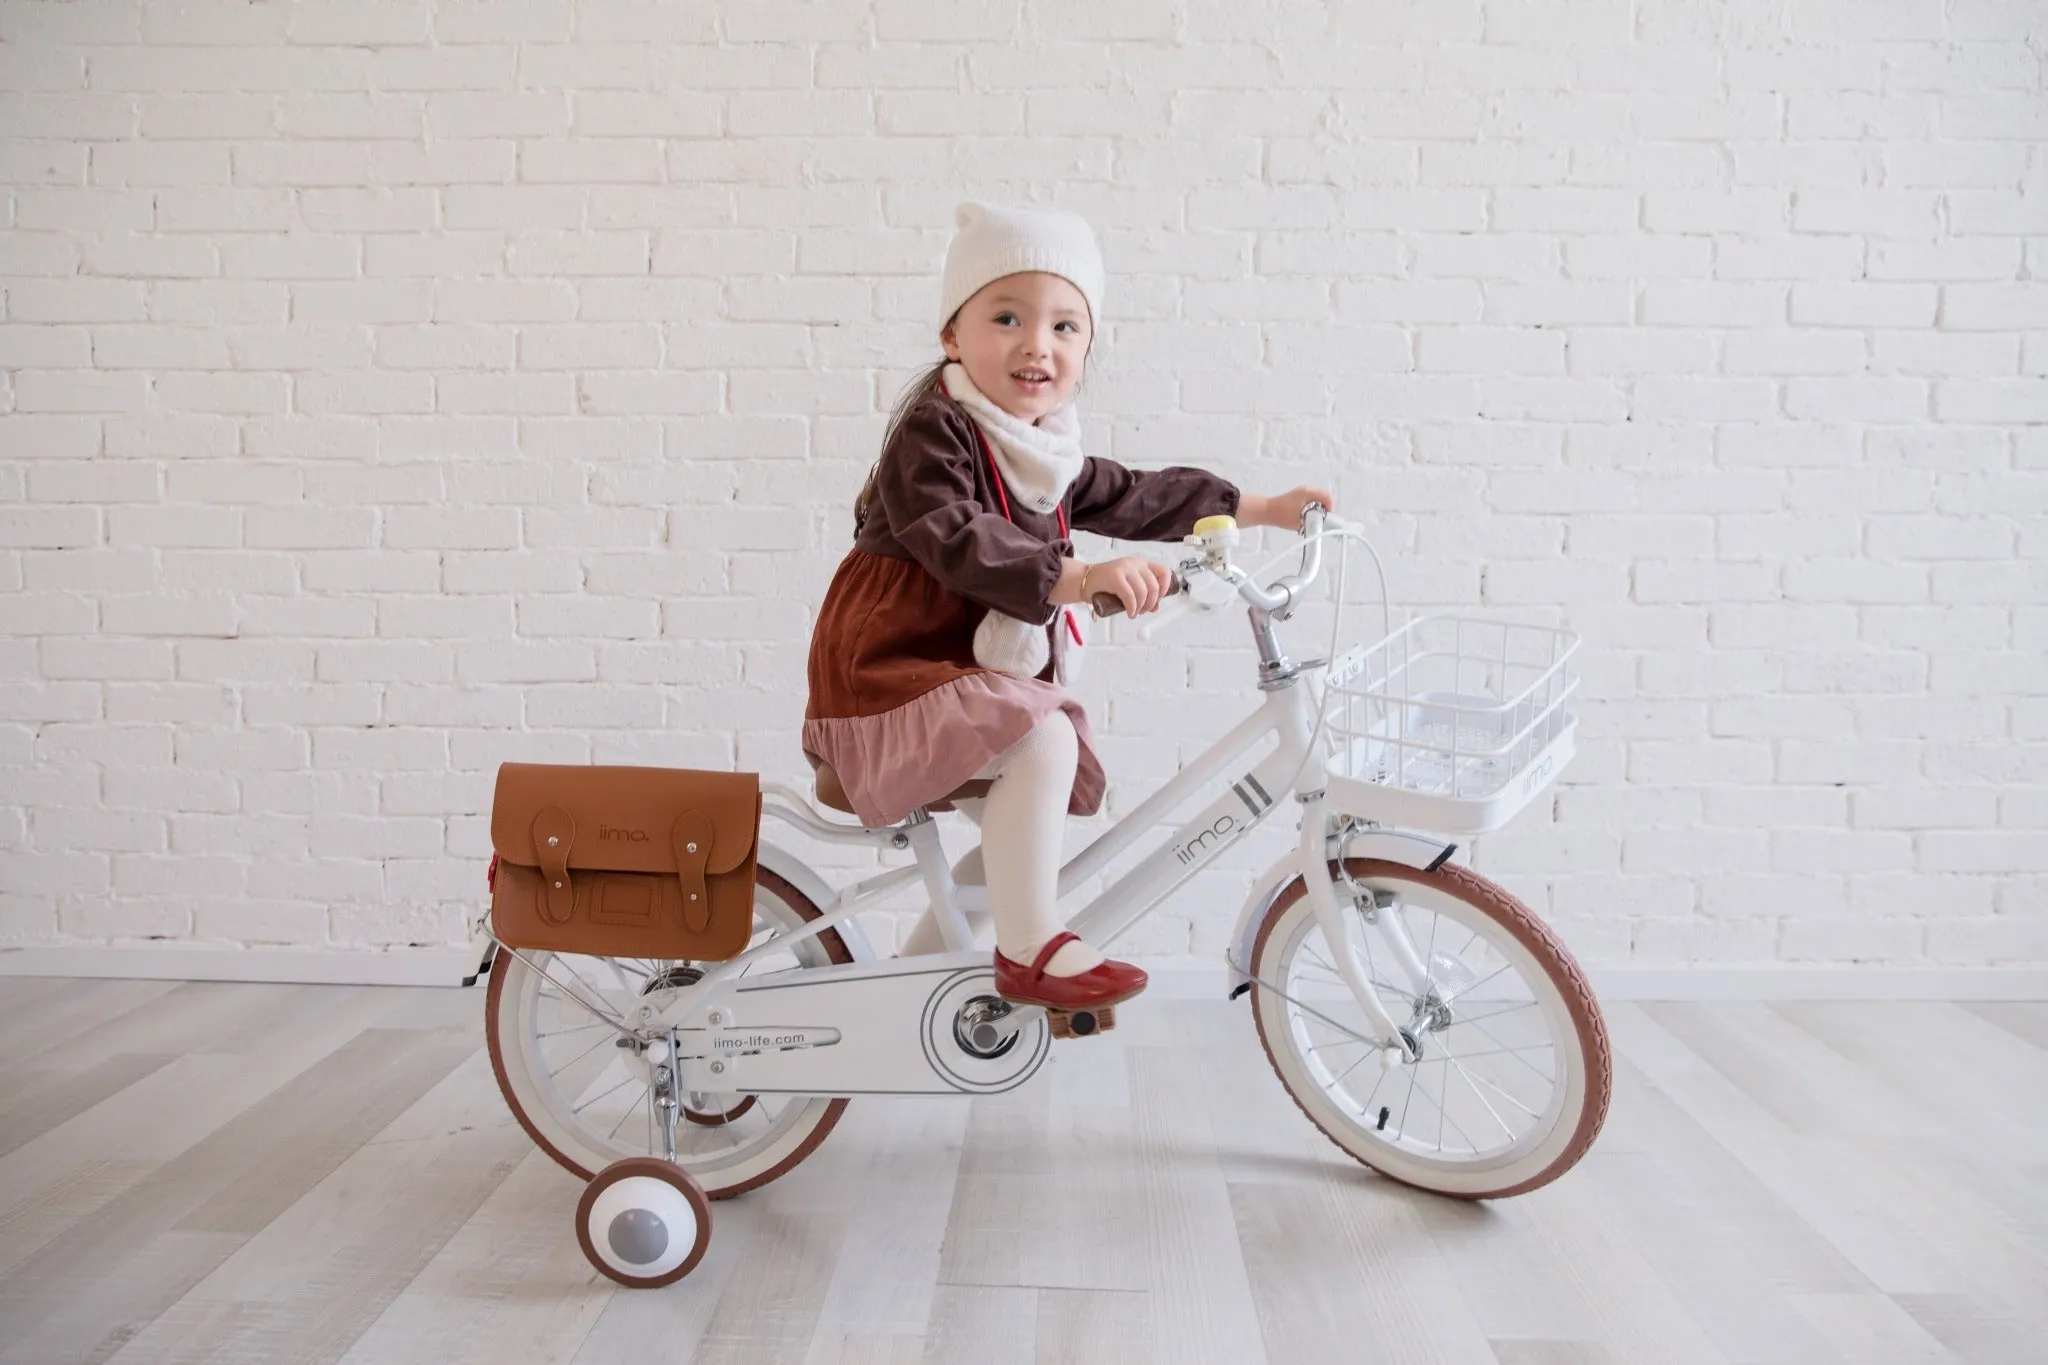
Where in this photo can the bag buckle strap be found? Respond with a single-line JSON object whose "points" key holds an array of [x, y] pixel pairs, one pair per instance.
{"points": [[554, 834], [690, 839]]}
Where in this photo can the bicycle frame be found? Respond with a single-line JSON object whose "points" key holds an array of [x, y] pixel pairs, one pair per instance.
{"points": [[1286, 714]]}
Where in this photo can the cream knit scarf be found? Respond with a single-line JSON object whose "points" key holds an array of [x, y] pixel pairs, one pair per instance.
{"points": [[1037, 463]]}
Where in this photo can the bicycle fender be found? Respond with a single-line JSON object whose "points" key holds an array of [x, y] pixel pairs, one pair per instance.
{"points": [[1419, 851], [798, 874]]}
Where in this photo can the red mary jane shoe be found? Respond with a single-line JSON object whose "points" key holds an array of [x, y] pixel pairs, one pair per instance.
{"points": [[1098, 988]]}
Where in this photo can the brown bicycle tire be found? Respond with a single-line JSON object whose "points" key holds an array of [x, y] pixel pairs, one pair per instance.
{"points": [[1551, 955]]}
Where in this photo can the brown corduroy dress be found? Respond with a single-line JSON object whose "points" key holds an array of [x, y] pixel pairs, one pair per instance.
{"points": [[898, 707]]}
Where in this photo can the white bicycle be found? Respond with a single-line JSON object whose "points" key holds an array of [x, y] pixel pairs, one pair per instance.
{"points": [[1421, 1017]]}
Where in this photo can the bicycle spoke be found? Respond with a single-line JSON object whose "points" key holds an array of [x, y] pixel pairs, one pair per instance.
{"points": [[1482, 1100], [623, 1081], [1442, 1115], [1490, 1052], [629, 1112], [579, 1056], [1477, 984], [1305, 975], [1506, 1096], [1373, 973], [574, 1028], [1500, 1042], [1492, 1014]]}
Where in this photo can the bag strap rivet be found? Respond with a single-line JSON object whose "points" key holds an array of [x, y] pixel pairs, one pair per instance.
{"points": [[690, 848]]}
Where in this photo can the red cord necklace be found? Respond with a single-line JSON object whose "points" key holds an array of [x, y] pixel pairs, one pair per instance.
{"points": [[1059, 509]]}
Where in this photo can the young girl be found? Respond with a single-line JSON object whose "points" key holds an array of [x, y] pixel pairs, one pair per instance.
{"points": [[938, 644]]}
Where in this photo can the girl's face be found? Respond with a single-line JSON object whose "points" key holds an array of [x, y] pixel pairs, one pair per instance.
{"points": [[1023, 340]]}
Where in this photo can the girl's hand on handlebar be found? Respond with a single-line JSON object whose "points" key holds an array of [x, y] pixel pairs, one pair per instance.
{"points": [[1283, 510], [1136, 582]]}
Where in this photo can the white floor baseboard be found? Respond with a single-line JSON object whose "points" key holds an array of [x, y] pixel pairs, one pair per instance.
{"points": [[183, 962], [1178, 978], [1182, 980]]}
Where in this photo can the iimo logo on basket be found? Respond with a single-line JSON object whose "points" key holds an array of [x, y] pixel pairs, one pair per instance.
{"points": [[632, 836]]}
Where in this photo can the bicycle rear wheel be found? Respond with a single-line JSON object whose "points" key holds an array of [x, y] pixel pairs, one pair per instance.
{"points": [[1514, 1073], [549, 1019]]}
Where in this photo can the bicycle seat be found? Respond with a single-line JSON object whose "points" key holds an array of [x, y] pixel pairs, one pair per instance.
{"points": [[832, 793]]}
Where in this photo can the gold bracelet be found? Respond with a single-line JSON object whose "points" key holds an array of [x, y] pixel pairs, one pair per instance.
{"points": [[1084, 583]]}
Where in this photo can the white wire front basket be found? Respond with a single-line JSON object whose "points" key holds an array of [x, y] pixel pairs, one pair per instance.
{"points": [[1450, 723]]}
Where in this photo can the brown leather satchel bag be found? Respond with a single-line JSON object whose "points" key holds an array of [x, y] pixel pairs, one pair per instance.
{"points": [[625, 862]]}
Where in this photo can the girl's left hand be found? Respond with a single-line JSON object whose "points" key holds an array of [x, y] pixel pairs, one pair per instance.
{"points": [[1284, 509]]}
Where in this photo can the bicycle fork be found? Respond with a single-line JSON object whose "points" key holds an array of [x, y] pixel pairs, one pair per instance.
{"points": [[1337, 927]]}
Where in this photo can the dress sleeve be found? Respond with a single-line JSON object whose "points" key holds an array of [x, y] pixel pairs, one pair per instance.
{"points": [[1160, 504], [926, 488]]}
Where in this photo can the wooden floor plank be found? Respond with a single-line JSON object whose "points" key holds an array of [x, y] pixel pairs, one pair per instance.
{"points": [[1043, 1198], [1824, 1180], [1728, 1248], [1974, 1330], [1929, 1143], [859, 1349], [313, 1174], [48, 1020], [190, 1017], [1530, 1352], [165, 1113], [983, 1324], [82, 1295], [2023, 1019], [888, 1267], [1870, 1329], [510, 1284], [319, 1275], [1083, 1326], [39, 1100], [1201, 1302]]}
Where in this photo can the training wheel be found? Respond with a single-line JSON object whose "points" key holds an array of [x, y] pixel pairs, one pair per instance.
{"points": [[644, 1222]]}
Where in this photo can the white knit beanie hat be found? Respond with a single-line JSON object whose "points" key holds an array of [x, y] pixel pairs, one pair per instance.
{"points": [[994, 240]]}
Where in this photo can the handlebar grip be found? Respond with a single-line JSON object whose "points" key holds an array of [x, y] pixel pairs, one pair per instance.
{"points": [[1109, 604]]}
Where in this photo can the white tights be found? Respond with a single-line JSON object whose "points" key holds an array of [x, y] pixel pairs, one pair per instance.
{"points": [[1021, 823]]}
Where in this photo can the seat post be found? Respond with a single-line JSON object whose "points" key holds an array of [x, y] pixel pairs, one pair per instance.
{"points": [[930, 851]]}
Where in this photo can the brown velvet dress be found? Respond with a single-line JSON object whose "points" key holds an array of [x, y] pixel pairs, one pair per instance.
{"points": [[898, 707]]}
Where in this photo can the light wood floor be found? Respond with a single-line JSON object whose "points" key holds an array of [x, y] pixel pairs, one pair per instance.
{"points": [[234, 1173]]}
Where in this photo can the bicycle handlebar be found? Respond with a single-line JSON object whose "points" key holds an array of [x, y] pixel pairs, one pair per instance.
{"points": [[1280, 598]]}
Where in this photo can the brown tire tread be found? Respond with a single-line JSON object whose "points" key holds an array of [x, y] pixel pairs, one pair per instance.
{"points": [[1534, 935]]}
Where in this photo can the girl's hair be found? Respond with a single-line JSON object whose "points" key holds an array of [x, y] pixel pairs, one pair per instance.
{"points": [[915, 392]]}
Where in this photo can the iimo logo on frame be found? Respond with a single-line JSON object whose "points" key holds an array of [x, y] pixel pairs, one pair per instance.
{"points": [[1207, 840]]}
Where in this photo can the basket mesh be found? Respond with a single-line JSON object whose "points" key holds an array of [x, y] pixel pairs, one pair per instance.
{"points": [[1451, 706]]}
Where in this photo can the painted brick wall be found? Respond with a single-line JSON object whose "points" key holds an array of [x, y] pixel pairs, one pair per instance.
{"points": [[391, 389]]}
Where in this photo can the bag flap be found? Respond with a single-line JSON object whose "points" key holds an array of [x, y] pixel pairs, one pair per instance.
{"points": [[619, 819]]}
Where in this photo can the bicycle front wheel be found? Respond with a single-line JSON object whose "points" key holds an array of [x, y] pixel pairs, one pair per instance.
{"points": [[1513, 1076]]}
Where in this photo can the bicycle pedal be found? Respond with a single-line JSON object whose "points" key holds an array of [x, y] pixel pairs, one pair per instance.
{"points": [[1081, 1023]]}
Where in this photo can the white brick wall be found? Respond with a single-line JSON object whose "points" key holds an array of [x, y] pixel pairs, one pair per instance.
{"points": [[390, 390]]}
